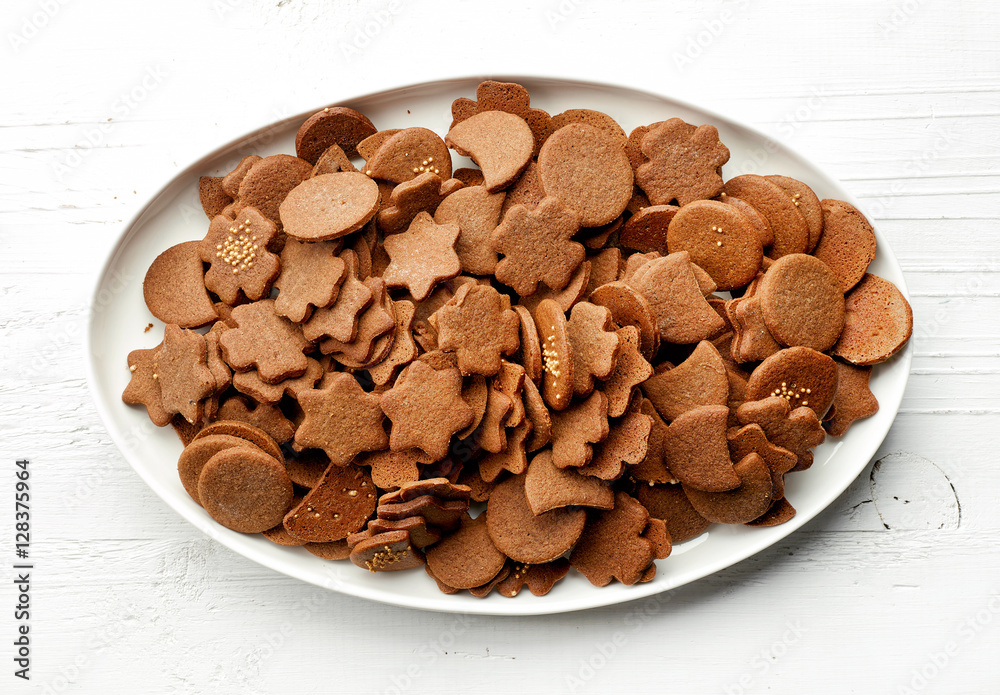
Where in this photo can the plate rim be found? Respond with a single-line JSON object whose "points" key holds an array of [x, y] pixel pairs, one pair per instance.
{"points": [[602, 597]]}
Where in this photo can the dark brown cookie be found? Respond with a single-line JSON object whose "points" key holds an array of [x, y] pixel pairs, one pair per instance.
{"points": [[720, 239], [334, 125], [336, 507], [853, 401], [612, 545], [245, 490], [523, 536], [342, 420], [791, 231], [801, 375], [237, 250], [801, 302]]}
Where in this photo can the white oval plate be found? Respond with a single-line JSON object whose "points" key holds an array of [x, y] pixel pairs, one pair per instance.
{"points": [[174, 215]]}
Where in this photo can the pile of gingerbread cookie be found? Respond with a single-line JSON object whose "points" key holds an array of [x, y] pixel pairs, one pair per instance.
{"points": [[582, 350]]}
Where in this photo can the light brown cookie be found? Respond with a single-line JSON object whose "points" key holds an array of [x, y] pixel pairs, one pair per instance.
{"points": [[671, 288], [612, 545], [696, 450], [683, 162], [806, 201], [467, 557], [504, 96], [631, 369], [847, 245], [426, 408], [744, 503], [520, 534], [245, 489], [268, 182], [501, 144], [237, 251], [547, 487], [594, 345], [329, 206], [853, 401], [588, 171], [537, 247], [557, 355], [422, 194], [791, 231], [181, 369], [143, 389], [476, 211], [262, 339], [879, 322], [720, 239], [671, 505], [409, 153], [422, 256], [311, 275], [174, 287], [342, 420], [699, 380], [479, 327], [629, 308], [801, 375], [575, 429]]}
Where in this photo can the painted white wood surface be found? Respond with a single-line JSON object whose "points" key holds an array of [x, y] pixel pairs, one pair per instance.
{"points": [[901, 100]]}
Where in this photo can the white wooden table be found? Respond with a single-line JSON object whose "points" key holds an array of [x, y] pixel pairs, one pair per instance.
{"points": [[894, 589]]}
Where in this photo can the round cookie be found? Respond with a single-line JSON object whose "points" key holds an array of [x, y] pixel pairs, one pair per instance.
{"points": [[334, 125], [847, 244], [329, 206], [245, 431], [720, 239], [245, 490], [879, 322], [521, 535], [646, 229], [759, 222], [196, 454], [791, 231], [801, 302], [801, 375], [588, 171], [806, 201], [174, 287]]}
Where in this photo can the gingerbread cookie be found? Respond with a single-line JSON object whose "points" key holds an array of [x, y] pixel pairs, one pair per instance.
{"points": [[334, 125], [501, 144], [537, 247], [801, 302], [174, 287], [329, 206], [878, 325], [683, 162]]}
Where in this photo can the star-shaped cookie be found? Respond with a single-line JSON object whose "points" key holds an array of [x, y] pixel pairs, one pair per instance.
{"points": [[341, 419], [426, 408], [422, 256]]}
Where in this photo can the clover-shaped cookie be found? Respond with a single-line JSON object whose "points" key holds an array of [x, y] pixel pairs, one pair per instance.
{"points": [[311, 275], [684, 162], [537, 246], [262, 339], [478, 325], [237, 251]]}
